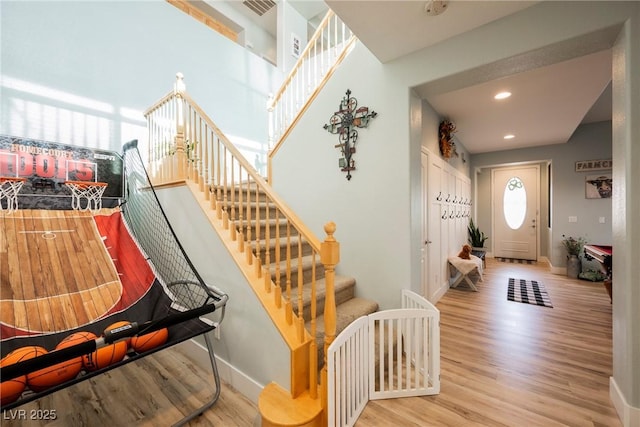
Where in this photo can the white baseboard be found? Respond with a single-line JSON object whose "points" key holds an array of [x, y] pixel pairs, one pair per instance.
{"points": [[558, 270], [629, 415], [199, 355], [439, 293]]}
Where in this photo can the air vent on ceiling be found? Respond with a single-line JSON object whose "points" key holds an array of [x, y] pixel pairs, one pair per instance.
{"points": [[259, 6]]}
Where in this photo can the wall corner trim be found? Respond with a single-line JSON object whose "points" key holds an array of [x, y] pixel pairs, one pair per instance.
{"points": [[629, 415]]}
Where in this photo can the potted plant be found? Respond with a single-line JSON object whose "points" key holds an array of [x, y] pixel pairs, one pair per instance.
{"points": [[476, 237], [574, 248]]}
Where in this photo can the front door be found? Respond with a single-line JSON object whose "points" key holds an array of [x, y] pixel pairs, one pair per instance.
{"points": [[515, 212]]}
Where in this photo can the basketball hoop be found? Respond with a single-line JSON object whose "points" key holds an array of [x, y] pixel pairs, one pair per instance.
{"points": [[9, 189], [90, 191]]}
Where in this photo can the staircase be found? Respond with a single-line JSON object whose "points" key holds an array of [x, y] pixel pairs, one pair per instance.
{"points": [[289, 260], [291, 271]]}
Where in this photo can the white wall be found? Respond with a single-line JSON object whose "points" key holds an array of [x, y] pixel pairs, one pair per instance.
{"points": [[253, 37], [371, 210], [430, 139], [83, 72], [290, 22], [249, 341]]}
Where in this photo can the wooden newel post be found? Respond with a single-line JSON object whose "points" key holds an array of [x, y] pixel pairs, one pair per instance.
{"points": [[329, 256], [181, 159]]}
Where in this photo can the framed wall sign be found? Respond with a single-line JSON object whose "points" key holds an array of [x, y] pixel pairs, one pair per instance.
{"points": [[593, 165]]}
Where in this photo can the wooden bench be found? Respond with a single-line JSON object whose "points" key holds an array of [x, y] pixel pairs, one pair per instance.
{"points": [[460, 269]]}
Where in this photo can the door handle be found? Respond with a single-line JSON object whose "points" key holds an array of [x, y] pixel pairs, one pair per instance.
{"points": [[426, 242]]}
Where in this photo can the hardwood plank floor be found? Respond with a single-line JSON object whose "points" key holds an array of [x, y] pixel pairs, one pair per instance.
{"points": [[502, 364], [505, 363], [155, 391]]}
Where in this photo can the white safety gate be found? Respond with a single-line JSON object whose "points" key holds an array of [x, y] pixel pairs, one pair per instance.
{"points": [[388, 354]]}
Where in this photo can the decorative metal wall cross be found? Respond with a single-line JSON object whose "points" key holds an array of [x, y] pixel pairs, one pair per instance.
{"points": [[344, 123]]}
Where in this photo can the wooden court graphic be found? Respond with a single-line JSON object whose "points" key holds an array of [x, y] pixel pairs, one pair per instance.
{"points": [[56, 273]]}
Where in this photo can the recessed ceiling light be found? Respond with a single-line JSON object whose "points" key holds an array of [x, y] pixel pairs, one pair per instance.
{"points": [[509, 136], [502, 95]]}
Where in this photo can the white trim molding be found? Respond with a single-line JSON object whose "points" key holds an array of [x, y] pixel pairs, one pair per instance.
{"points": [[629, 415], [198, 354]]}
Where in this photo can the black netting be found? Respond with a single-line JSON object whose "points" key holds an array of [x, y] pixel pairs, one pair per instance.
{"points": [[173, 297], [148, 223]]}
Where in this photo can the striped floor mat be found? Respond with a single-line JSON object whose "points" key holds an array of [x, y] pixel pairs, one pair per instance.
{"points": [[528, 292], [516, 261]]}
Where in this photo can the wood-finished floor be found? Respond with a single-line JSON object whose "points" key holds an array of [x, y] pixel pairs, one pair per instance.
{"points": [[155, 391], [502, 364], [505, 363]]}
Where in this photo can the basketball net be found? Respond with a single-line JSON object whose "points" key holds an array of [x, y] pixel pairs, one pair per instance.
{"points": [[89, 191], [9, 189]]}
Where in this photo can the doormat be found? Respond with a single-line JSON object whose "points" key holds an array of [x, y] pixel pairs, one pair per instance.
{"points": [[515, 261], [528, 292]]}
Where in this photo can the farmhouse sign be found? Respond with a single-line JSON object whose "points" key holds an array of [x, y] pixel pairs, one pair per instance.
{"points": [[593, 165]]}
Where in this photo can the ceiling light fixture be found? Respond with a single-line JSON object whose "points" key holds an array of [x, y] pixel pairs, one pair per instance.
{"points": [[435, 7], [502, 95], [509, 136]]}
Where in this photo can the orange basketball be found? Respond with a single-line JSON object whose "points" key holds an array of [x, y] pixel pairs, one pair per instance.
{"points": [[26, 353], [151, 340], [105, 356], [11, 390], [76, 338], [64, 371], [117, 325]]}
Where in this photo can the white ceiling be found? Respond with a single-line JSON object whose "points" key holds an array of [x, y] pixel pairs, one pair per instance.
{"points": [[549, 99]]}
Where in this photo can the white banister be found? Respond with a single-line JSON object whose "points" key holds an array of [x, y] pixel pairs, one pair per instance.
{"points": [[325, 50]]}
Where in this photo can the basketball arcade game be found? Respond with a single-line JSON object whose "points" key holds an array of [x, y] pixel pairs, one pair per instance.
{"points": [[158, 301]]}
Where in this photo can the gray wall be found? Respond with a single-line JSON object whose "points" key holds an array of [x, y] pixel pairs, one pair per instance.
{"points": [[589, 142]]}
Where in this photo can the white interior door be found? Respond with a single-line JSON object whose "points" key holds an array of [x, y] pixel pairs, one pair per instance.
{"points": [[516, 196], [431, 257], [424, 255]]}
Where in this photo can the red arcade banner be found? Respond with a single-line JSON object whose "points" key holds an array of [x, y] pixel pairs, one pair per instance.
{"points": [[47, 165]]}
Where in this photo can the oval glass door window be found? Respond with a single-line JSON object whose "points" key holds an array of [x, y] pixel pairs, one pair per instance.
{"points": [[515, 203]]}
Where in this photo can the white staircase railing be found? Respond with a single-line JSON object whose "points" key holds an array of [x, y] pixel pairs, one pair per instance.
{"points": [[325, 50], [388, 354]]}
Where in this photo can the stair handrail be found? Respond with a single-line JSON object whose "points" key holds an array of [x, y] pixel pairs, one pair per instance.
{"points": [[283, 114], [312, 239], [186, 145]]}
